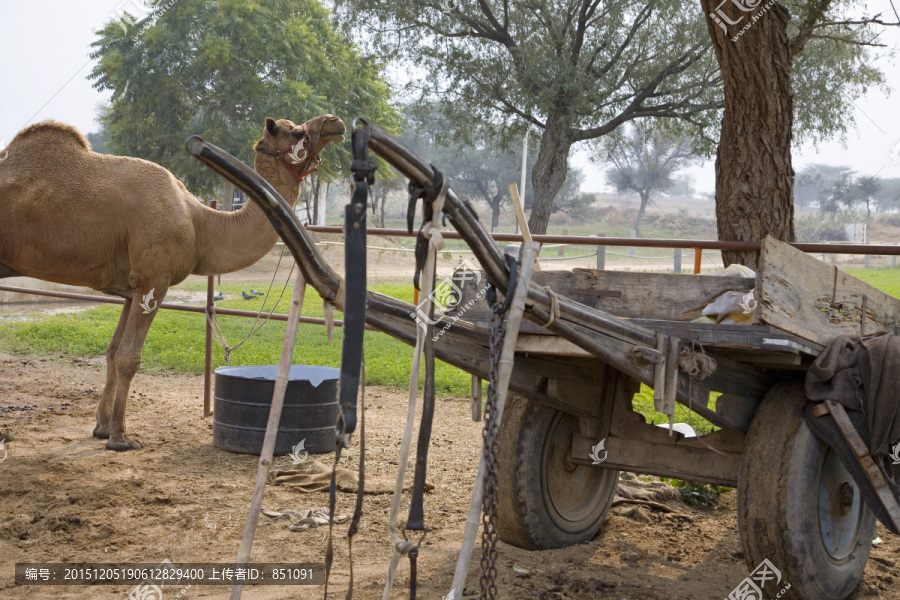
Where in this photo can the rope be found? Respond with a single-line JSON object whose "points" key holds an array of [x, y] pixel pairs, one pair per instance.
{"points": [[213, 319], [554, 307], [698, 365], [402, 546]]}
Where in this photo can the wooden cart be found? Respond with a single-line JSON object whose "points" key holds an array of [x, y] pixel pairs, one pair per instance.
{"points": [[574, 382]]}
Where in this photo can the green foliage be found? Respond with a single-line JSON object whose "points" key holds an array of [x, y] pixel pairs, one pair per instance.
{"points": [[697, 494], [642, 403], [218, 68], [831, 70], [573, 71], [512, 64]]}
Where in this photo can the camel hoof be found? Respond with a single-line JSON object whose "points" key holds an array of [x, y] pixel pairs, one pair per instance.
{"points": [[101, 433], [122, 445]]}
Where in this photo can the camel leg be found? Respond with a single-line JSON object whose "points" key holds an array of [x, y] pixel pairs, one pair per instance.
{"points": [[104, 408], [127, 361]]}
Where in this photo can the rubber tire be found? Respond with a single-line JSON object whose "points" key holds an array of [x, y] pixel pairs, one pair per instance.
{"points": [[544, 501], [779, 492]]}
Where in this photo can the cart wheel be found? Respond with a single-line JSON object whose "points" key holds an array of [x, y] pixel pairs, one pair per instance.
{"points": [[545, 501], [798, 507]]}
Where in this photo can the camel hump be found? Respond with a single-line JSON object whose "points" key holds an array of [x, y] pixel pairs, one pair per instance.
{"points": [[53, 132]]}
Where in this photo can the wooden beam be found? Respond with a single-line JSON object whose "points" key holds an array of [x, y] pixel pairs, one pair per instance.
{"points": [[642, 295], [666, 459]]}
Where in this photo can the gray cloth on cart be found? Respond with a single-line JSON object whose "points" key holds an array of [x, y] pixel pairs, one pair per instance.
{"points": [[862, 373]]}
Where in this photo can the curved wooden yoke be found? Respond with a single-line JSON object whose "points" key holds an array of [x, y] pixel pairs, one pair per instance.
{"points": [[628, 347]]}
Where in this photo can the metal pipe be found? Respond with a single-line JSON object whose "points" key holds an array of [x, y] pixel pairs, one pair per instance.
{"points": [[230, 312], [584, 240]]}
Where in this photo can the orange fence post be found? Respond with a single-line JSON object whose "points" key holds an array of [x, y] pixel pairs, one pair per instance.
{"points": [[698, 252]]}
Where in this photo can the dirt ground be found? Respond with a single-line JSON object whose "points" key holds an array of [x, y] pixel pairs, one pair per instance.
{"points": [[64, 498]]}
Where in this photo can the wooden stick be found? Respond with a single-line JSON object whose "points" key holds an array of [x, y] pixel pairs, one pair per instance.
{"points": [[527, 262], [520, 217], [268, 448]]}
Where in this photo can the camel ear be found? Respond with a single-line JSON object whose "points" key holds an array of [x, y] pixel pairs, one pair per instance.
{"points": [[270, 125]]}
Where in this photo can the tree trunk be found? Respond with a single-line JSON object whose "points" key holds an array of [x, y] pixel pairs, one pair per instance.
{"points": [[384, 191], [495, 211], [315, 211], [645, 200], [303, 196], [549, 172], [754, 177], [227, 196]]}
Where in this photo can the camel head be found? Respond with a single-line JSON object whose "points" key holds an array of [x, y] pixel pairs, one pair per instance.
{"points": [[297, 147]]}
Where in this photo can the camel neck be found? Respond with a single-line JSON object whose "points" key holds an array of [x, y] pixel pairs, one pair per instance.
{"points": [[230, 241]]}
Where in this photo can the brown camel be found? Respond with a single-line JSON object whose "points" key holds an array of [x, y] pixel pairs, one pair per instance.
{"points": [[128, 227]]}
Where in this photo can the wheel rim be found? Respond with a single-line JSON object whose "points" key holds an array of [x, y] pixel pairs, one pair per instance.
{"points": [[841, 508], [572, 491]]}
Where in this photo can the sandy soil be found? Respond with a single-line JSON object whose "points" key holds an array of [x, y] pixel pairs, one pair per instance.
{"points": [[63, 498]]}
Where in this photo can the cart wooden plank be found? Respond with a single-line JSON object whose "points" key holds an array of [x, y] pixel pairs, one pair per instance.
{"points": [[802, 295], [642, 295]]}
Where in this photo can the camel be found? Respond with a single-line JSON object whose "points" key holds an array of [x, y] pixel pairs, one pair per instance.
{"points": [[127, 227]]}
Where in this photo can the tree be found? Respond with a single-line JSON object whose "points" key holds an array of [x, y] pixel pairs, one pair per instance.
{"points": [[812, 182], [573, 71], [888, 196], [866, 188], [644, 160], [484, 174], [841, 192], [479, 172], [218, 68], [570, 199], [576, 71], [99, 140], [758, 47]]}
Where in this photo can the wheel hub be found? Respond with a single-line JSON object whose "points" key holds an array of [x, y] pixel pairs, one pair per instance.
{"points": [[841, 508], [846, 497], [572, 489]]}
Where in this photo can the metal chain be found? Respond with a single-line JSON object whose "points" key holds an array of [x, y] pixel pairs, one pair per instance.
{"points": [[491, 450]]}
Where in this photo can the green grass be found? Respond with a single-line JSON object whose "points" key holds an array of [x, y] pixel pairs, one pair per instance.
{"points": [[887, 280], [176, 340]]}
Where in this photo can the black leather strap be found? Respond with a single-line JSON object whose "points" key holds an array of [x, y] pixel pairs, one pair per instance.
{"points": [[354, 282], [354, 331], [429, 194]]}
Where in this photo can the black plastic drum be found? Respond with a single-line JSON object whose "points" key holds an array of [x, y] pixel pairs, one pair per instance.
{"points": [[243, 397]]}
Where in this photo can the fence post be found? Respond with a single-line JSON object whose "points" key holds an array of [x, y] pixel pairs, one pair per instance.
{"points": [[476, 398], [601, 254], [678, 260], [562, 248], [698, 254], [633, 235], [207, 365]]}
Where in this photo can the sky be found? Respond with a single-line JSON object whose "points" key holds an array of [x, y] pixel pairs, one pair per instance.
{"points": [[44, 63]]}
